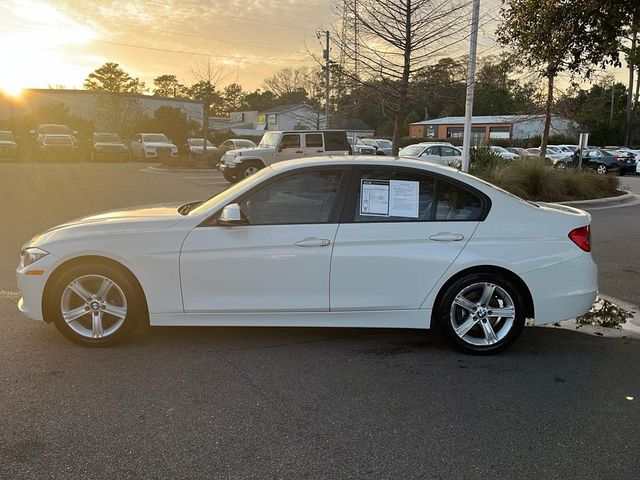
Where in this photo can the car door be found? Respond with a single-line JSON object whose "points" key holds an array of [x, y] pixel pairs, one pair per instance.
{"points": [[431, 154], [401, 230], [290, 147], [313, 144], [279, 260], [450, 155]]}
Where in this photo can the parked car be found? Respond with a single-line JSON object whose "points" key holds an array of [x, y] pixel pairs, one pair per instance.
{"points": [[277, 146], [600, 161], [626, 161], [553, 157], [195, 146], [358, 147], [323, 242], [635, 153], [152, 146], [108, 146], [235, 144], [8, 145], [56, 147], [504, 153], [382, 145], [436, 152], [520, 152], [53, 129]]}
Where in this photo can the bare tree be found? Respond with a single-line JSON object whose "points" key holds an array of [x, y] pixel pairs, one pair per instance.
{"points": [[387, 43], [209, 76]]}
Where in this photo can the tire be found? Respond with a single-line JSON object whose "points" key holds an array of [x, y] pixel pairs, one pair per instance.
{"points": [[474, 328], [229, 178], [561, 166], [111, 314], [249, 168], [601, 169]]}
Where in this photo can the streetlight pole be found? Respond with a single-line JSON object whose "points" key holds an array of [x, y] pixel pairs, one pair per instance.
{"points": [[471, 78], [326, 78]]}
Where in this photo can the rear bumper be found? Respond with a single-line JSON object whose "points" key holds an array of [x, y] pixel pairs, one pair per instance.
{"points": [[563, 291]]}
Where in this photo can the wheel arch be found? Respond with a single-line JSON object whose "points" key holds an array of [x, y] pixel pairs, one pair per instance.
{"points": [[254, 159], [518, 282], [84, 259]]}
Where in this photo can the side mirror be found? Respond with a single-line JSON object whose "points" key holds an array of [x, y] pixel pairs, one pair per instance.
{"points": [[231, 215], [280, 148]]}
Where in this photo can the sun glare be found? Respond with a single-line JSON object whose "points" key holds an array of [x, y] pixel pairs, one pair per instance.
{"points": [[37, 46]]}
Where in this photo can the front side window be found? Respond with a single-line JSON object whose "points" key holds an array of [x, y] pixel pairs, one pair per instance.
{"points": [[307, 197], [386, 195], [457, 203], [290, 141], [449, 152]]}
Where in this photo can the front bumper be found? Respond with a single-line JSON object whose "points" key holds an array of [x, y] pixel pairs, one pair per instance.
{"points": [[32, 286], [227, 169]]}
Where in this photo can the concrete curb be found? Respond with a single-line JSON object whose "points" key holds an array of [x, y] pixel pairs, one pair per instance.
{"points": [[602, 202], [181, 170]]}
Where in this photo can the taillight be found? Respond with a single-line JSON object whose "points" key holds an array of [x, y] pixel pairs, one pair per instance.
{"points": [[581, 237]]}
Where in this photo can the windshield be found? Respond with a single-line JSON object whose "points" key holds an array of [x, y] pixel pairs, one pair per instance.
{"points": [[270, 140], [107, 138], [411, 151], [384, 143], [553, 149], [61, 140], [6, 136], [155, 137], [207, 204], [52, 129], [499, 149], [198, 142]]}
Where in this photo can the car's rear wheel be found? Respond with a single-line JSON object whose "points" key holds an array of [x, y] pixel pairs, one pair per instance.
{"points": [[95, 305], [482, 313]]}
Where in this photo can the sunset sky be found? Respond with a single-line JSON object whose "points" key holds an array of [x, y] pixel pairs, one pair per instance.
{"points": [[59, 42]]}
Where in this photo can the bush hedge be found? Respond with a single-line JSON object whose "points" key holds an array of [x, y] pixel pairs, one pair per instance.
{"points": [[532, 180]]}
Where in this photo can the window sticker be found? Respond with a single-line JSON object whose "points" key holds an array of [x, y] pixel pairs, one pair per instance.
{"points": [[374, 197], [403, 198]]}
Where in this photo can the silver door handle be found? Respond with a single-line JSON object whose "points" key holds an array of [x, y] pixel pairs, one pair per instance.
{"points": [[446, 237], [313, 242]]}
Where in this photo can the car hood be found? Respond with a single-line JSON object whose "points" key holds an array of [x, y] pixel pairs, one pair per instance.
{"points": [[7, 142], [143, 218], [252, 150]]}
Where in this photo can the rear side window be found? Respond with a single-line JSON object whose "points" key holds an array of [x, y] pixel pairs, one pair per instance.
{"points": [[336, 141], [449, 152], [313, 140], [386, 195], [457, 203]]}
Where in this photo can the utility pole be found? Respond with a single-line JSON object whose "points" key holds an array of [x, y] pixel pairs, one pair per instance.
{"points": [[471, 79], [326, 78], [613, 91], [205, 129]]}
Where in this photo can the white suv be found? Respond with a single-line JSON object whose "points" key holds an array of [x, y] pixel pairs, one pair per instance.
{"points": [[154, 146], [278, 146]]}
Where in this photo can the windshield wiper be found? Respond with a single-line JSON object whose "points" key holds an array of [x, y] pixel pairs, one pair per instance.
{"points": [[187, 207]]}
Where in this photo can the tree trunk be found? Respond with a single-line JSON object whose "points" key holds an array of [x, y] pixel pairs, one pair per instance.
{"points": [[547, 117], [628, 123], [397, 126]]}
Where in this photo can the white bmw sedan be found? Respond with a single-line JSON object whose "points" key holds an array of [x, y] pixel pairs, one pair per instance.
{"points": [[332, 242]]}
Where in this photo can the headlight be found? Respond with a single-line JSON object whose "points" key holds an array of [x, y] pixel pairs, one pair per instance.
{"points": [[30, 255]]}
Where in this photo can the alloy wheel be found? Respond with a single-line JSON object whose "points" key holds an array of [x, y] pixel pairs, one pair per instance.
{"points": [[93, 306], [250, 171], [601, 169], [482, 314]]}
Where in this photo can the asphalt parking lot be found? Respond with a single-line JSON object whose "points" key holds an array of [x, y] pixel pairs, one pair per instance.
{"points": [[301, 403]]}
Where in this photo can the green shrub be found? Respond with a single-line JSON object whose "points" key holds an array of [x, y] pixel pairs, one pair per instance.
{"points": [[483, 159], [532, 180]]}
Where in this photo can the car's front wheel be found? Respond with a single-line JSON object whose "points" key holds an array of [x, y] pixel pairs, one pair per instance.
{"points": [[249, 168], [482, 313], [601, 169], [95, 305]]}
